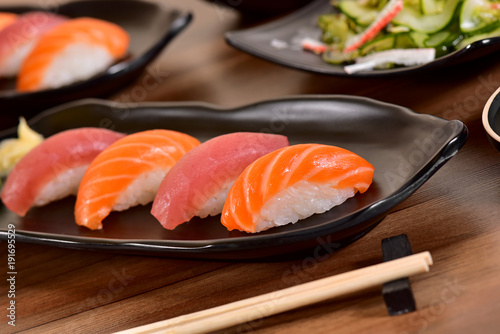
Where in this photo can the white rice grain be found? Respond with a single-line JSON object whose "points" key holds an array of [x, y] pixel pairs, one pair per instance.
{"points": [[76, 62], [300, 201], [63, 185], [12, 63], [215, 203], [141, 191]]}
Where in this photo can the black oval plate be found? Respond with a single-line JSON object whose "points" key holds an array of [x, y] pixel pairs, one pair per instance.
{"points": [[405, 147], [257, 41], [151, 28]]}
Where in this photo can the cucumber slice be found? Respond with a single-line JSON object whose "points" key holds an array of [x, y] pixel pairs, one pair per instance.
{"points": [[472, 39], [404, 41], [412, 17], [397, 29], [431, 7], [359, 13], [419, 38], [441, 41], [337, 57], [376, 3], [379, 44], [335, 28], [478, 15], [438, 39]]}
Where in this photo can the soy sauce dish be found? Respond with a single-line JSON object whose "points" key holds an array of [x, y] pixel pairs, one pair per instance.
{"points": [[491, 119]]}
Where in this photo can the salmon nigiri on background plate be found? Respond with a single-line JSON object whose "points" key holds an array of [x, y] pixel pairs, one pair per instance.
{"points": [[150, 26], [388, 137]]}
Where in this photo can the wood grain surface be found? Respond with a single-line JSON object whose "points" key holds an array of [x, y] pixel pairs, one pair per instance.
{"points": [[455, 215]]}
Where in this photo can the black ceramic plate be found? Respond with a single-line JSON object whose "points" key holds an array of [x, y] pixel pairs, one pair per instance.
{"points": [[262, 8], [151, 28], [406, 148], [257, 41]]}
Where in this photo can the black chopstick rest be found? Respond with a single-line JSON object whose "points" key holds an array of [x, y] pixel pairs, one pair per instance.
{"points": [[397, 294]]}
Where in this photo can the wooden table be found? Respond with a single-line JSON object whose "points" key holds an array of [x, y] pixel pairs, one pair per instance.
{"points": [[455, 216]]}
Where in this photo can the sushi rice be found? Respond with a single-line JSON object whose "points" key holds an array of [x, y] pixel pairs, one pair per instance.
{"points": [[64, 184], [76, 62], [141, 191], [300, 201], [215, 203]]}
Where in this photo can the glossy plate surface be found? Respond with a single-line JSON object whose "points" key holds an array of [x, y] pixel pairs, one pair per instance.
{"points": [[262, 8], [151, 28], [291, 29], [405, 147]]}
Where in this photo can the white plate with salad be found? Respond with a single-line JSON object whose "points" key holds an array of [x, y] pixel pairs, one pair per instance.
{"points": [[376, 37]]}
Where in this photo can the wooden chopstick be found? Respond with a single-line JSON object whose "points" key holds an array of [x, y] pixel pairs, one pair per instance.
{"points": [[290, 298]]}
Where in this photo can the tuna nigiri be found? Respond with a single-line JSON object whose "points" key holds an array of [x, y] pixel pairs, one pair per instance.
{"points": [[6, 19], [128, 173], [75, 50], [293, 183], [18, 39], [198, 184], [53, 169]]}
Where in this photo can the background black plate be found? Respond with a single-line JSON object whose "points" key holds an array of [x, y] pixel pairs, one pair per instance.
{"points": [[406, 148], [257, 41], [262, 8], [151, 28]]}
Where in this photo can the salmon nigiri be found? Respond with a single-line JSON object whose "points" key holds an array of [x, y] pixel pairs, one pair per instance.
{"points": [[18, 38], [199, 189], [294, 183], [74, 50], [128, 173], [53, 169]]}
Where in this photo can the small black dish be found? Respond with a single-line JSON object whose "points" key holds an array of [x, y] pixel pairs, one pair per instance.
{"points": [[406, 149], [257, 41], [151, 28], [491, 119]]}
